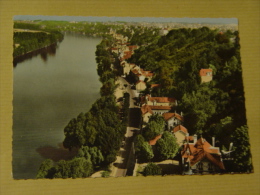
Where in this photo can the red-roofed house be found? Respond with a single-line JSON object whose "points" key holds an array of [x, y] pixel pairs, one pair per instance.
{"points": [[201, 157], [206, 75], [146, 113], [158, 101], [160, 109], [172, 119], [180, 132]]}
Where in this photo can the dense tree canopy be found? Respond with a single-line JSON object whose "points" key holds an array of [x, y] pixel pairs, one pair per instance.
{"points": [[143, 150], [241, 155], [152, 169], [167, 147]]}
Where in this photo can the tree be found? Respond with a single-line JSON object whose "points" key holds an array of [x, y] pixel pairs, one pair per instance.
{"points": [[45, 170], [242, 154], [155, 127], [76, 168], [75, 135], [152, 169], [91, 153], [167, 146], [143, 150]]}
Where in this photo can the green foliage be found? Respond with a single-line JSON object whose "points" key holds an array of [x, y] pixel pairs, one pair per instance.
{"points": [[167, 146], [242, 155], [143, 150], [155, 127], [30, 41], [152, 169], [105, 173], [45, 170], [91, 153], [75, 168]]}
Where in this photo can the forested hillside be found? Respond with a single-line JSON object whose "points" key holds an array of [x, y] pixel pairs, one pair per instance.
{"points": [[216, 108]]}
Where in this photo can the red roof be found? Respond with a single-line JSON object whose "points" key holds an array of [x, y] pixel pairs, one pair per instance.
{"points": [[161, 99], [180, 128], [132, 47], [145, 109], [202, 149], [169, 115], [147, 73], [204, 72], [155, 85], [153, 141]]}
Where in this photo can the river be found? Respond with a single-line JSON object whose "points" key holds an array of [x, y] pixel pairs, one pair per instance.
{"points": [[48, 92]]}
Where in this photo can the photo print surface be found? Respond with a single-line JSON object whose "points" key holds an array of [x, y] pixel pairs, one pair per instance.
{"points": [[125, 96]]}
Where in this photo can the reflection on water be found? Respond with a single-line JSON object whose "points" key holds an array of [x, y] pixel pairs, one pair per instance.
{"points": [[49, 90], [56, 154], [44, 52]]}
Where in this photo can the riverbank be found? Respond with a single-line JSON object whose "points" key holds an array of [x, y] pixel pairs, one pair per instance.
{"points": [[50, 49]]}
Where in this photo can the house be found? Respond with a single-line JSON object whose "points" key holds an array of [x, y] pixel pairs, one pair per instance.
{"points": [[180, 132], [206, 75], [153, 141], [140, 86], [146, 113], [172, 119], [160, 109], [201, 157], [158, 101], [139, 74]]}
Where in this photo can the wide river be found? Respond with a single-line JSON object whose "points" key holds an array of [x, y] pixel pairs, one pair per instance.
{"points": [[47, 94]]}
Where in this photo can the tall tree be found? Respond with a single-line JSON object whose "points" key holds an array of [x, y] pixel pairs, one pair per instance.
{"points": [[167, 146], [242, 154], [143, 150]]}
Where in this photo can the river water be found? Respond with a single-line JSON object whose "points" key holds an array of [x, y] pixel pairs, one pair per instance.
{"points": [[48, 92]]}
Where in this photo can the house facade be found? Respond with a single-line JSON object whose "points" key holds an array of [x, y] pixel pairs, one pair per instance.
{"points": [[206, 75], [200, 157], [172, 119]]}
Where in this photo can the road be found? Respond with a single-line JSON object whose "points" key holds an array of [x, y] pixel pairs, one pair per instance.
{"points": [[124, 163]]}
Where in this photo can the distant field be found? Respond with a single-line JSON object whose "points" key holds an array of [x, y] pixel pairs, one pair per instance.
{"points": [[27, 30]]}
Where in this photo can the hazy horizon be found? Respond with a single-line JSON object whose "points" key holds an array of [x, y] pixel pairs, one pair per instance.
{"points": [[129, 19]]}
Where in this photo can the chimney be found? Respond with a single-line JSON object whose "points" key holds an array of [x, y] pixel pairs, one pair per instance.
{"points": [[195, 138], [213, 141], [187, 137]]}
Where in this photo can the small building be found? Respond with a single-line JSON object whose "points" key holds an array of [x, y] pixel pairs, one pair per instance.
{"points": [[180, 132], [172, 119], [206, 75], [200, 157], [158, 101], [160, 109], [146, 113]]}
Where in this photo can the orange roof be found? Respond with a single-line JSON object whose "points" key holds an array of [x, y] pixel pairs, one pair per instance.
{"points": [[180, 128], [202, 149], [132, 47], [145, 109], [146, 73], [203, 72], [155, 85], [135, 71], [161, 107], [169, 115], [161, 99], [153, 141]]}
